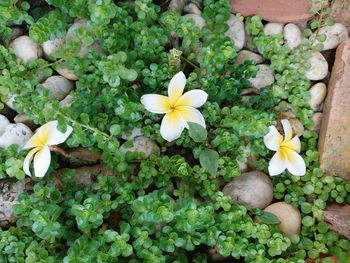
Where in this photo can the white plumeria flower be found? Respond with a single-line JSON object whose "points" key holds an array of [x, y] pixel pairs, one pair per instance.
{"points": [[46, 136], [287, 149], [178, 109]]}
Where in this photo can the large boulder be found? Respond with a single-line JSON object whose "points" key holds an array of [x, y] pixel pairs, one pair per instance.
{"points": [[282, 11], [340, 12], [338, 218], [334, 141]]}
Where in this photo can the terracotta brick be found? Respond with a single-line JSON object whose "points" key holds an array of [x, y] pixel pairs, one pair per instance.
{"points": [[282, 11], [334, 141]]}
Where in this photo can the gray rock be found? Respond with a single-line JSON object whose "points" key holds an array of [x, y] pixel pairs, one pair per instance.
{"points": [[51, 46], [297, 126], [199, 21], [66, 72], [245, 55], [317, 120], [263, 78], [177, 5], [82, 23], [15, 134], [4, 122], [192, 8], [24, 118], [249, 45], [136, 132], [253, 190], [273, 29], [58, 86], [319, 67], [318, 94], [26, 49], [67, 101], [142, 144], [15, 32], [292, 35], [236, 31], [9, 192]]}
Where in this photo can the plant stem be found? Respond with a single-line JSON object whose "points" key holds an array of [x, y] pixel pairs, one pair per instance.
{"points": [[189, 62], [57, 149]]}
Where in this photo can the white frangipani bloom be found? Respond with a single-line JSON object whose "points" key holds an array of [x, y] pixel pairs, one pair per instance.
{"points": [[46, 136], [178, 108], [287, 149]]}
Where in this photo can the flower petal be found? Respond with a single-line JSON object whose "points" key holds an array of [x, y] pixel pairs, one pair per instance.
{"points": [[28, 160], [176, 87], [42, 161], [295, 163], [172, 126], [273, 139], [191, 114], [287, 128], [193, 98], [156, 103], [54, 136], [293, 144], [34, 141], [277, 164]]}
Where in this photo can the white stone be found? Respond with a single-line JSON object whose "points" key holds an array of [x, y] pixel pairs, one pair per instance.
{"points": [[141, 144], [273, 29], [10, 100], [319, 67], [245, 55], [4, 122], [26, 49], [58, 86], [199, 21], [15, 134], [9, 192], [51, 46], [263, 78], [292, 35], [236, 31], [66, 72], [317, 120], [335, 34], [252, 189], [318, 94], [135, 132]]}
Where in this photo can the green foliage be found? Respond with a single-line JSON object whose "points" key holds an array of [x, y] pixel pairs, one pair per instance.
{"points": [[50, 26], [168, 207], [12, 11], [209, 160], [197, 132]]}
